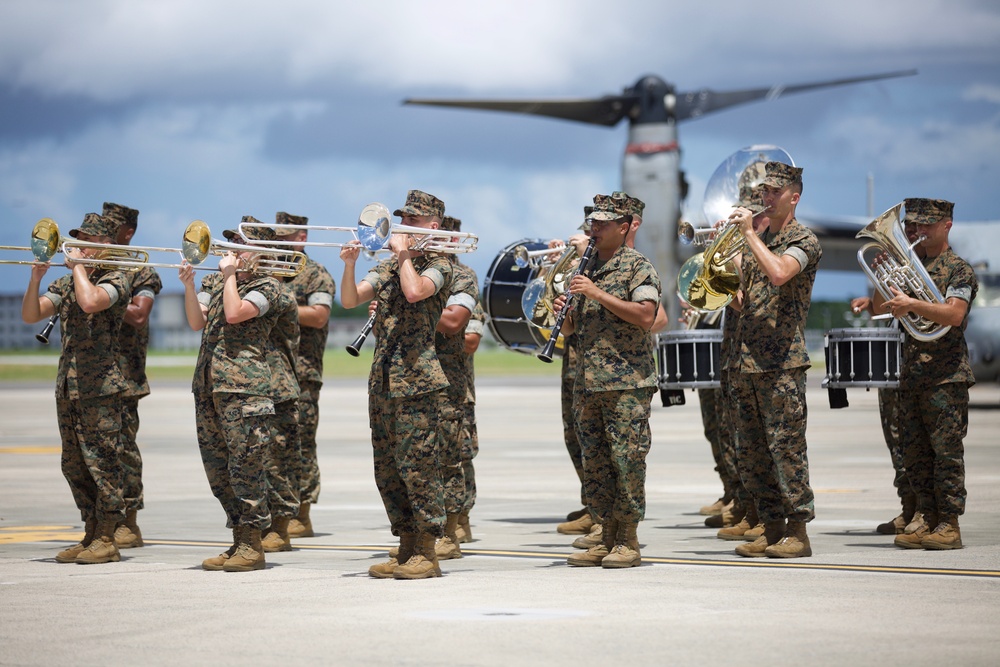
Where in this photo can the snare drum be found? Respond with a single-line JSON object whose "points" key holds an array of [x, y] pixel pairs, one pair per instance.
{"points": [[864, 357], [689, 359], [503, 289]]}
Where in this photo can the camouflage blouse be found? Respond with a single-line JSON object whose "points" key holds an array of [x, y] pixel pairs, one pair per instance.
{"points": [[405, 361], [135, 341], [233, 357], [451, 349], [771, 332], [616, 355], [91, 342], [283, 345], [947, 358], [314, 286]]}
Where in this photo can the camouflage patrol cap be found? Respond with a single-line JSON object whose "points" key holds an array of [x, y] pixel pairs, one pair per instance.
{"points": [[606, 207], [121, 215], [779, 174], [585, 225], [450, 224], [632, 204], [96, 225], [751, 198], [420, 203], [282, 218], [250, 234], [927, 211]]}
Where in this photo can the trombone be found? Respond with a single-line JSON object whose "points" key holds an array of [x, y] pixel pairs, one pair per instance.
{"points": [[195, 247], [274, 262], [310, 228], [375, 226], [46, 242], [524, 258]]}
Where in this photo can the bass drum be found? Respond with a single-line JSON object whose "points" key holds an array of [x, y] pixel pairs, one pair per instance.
{"points": [[503, 292]]}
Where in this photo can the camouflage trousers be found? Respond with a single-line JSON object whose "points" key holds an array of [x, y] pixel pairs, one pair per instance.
{"points": [[233, 436], [715, 421], [283, 460], [569, 434], [470, 449], [309, 479], [405, 441], [450, 421], [613, 427], [771, 416], [729, 451], [90, 429], [888, 410], [934, 423], [131, 458]]}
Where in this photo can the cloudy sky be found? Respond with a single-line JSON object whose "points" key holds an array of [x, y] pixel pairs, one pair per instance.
{"points": [[212, 109]]}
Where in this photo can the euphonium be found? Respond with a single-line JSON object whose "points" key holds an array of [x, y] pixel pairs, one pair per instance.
{"points": [[710, 280], [897, 265]]}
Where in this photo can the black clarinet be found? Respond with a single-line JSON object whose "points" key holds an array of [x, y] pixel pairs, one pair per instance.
{"points": [[43, 336], [550, 345], [355, 348]]}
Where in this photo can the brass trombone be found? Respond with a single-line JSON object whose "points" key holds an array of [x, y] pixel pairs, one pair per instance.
{"points": [[195, 247], [46, 242], [275, 262], [375, 226]]}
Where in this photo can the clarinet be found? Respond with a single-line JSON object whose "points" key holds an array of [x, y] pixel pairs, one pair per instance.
{"points": [[550, 345], [355, 348], [43, 336]]}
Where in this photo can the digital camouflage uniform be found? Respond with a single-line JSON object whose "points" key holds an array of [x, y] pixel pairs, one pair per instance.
{"points": [[406, 391], [729, 359], [233, 404], [934, 399], [314, 286], [453, 359], [134, 345], [89, 387], [283, 458], [470, 434], [715, 422], [769, 388], [616, 379], [570, 363]]}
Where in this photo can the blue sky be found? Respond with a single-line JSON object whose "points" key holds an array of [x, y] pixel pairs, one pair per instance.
{"points": [[214, 109]]}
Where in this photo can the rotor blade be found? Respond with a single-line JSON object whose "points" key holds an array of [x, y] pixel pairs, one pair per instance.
{"points": [[607, 110], [699, 103]]}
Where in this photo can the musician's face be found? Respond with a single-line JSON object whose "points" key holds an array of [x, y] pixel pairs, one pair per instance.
{"points": [[780, 201], [425, 221], [91, 238], [934, 234], [609, 233]]}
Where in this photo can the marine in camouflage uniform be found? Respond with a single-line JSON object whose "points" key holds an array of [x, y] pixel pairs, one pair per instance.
{"points": [[233, 395], [934, 382], [769, 387], [406, 387], [616, 379], [314, 290], [146, 285], [283, 458], [89, 387], [449, 342], [470, 435]]}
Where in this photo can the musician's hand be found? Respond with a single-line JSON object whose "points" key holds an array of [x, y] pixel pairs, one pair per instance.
{"points": [[559, 303], [400, 243], [580, 242], [742, 217], [372, 305], [861, 304], [73, 254], [229, 264], [583, 285], [556, 244], [900, 305], [186, 274], [471, 343], [350, 251], [38, 271]]}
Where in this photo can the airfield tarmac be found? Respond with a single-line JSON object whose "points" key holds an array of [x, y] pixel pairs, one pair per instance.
{"points": [[511, 599]]}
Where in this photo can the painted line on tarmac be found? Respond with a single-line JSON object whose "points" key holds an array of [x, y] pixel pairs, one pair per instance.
{"points": [[31, 450]]}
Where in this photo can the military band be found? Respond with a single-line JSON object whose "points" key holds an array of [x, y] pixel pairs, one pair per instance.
{"points": [[259, 373]]}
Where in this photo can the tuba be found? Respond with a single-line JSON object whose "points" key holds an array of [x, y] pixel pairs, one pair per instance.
{"points": [[897, 265]]}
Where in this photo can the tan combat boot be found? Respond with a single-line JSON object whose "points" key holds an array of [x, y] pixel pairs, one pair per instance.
{"points": [[913, 535], [740, 529], [102, 548], [447, 547], [579, 526], [215, 563], [593, 556], [794, 544], [724, 519], [69, 555], [945, 536], [407, 542], [898, 525], [714, 508], [573, 516], [625, 553], [249, 554], [464, 530], [591, 539], [277, 538], [773, 532], [128, 535], [423, 563], [301, 526]]}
